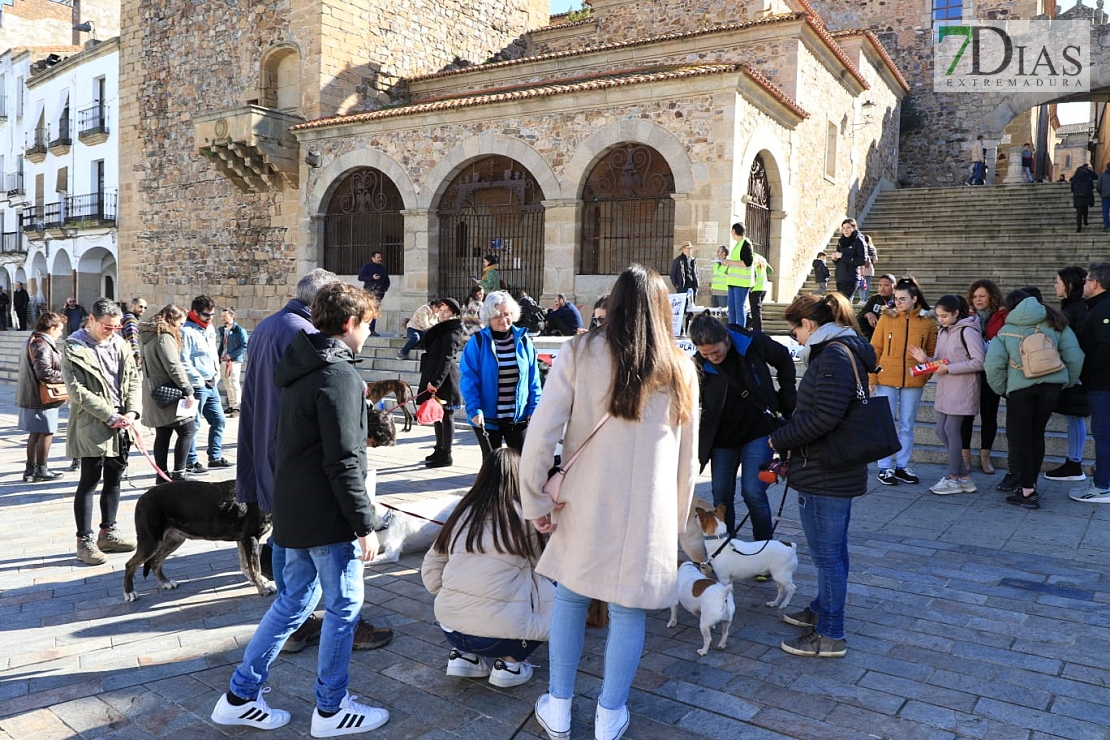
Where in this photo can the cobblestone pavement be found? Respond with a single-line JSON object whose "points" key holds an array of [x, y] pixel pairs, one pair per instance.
{"points": [[966, 618]]}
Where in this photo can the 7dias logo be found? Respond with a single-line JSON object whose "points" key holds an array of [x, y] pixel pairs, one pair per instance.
{"points": [[1049, 57]]}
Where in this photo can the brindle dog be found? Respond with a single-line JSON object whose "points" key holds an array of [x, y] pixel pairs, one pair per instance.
{"points": [[400, 390]]}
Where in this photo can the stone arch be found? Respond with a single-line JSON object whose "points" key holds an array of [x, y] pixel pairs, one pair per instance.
{"points": [[630, 131], [485, 144], [279, 78], [96, 275], [770, 151]]}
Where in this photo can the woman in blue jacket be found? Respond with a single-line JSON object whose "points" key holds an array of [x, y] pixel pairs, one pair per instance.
{"points": [[499, 376]]}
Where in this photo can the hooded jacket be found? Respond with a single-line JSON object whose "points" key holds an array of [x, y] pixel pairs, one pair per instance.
{"points": [[757, 351], [162, 364], [1003, 363], [825, 392], [958, 389], [894, 333], [320, 493], [90, 399]]}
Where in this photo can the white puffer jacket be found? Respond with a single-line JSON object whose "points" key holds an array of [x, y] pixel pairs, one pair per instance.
{"points": [[489, 594]]}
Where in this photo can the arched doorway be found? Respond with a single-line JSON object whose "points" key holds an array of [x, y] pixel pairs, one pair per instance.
{"points": [[757, 215], [627, 212], [494, 206], [364, 216]]}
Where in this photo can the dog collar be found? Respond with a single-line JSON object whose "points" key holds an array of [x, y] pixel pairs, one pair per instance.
{"points": [[708, 537]]}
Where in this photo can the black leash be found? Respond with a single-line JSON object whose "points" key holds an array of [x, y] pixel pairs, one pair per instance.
{"points": [[731, 534]]}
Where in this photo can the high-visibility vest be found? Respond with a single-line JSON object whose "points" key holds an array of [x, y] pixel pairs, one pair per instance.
{"points": [[760, 268], [720, 279], [739, 275]]}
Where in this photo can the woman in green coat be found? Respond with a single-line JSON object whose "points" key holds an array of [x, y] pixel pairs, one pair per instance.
{"points": [[103, 384]]}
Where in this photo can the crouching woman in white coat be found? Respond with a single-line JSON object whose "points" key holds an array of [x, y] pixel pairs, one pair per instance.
{"points": [[493, 607]]}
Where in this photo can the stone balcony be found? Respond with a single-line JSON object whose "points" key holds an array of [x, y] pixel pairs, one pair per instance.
{"points": [[251, 147]]}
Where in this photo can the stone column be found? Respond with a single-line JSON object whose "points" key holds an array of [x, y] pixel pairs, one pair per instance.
{"points": [[1013, 166], [560, 229], [421, 269]]}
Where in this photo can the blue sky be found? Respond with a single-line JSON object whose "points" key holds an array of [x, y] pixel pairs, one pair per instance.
{"points": [[562, 6]]}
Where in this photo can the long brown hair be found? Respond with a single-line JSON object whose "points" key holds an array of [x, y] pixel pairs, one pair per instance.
{"points": [[494, 499], [821, 309], [167, 321], [645, 357]]}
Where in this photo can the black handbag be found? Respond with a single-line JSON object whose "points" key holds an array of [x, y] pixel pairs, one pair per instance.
{"points": [[866, 433], [166, 394]]}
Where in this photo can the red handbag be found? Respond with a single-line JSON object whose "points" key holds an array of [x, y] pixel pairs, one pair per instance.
{"points": [[429, 412]]}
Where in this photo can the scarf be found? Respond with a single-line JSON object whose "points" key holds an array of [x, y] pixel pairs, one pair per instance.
{"points": [[197, 320]]}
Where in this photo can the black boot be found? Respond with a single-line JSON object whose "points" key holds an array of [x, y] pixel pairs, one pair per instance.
{"points": [[42, 473], [29, 472], [443, 461], [436, 453]]}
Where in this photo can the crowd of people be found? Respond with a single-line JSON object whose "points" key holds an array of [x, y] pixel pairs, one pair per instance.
{"points": [[520, 563]]}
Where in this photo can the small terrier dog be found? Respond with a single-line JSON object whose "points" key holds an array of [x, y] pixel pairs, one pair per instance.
{"points": [[705, 598], [741, 559]]}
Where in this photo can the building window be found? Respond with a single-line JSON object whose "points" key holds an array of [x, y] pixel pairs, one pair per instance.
{"points": [[627, 212], [364, 216], [280, 83], [832, 133], [947, 10]]}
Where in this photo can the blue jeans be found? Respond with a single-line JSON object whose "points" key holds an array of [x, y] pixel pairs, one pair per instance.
{"points": [[277, 562], [976, 174], [623, 646], [903, 405], [414, 339], [1106, 213], [1077, 437], [737, 304], [208, 406], [336, 570], [825, 521], [1100, 431], [724, 462], [492, 647]]}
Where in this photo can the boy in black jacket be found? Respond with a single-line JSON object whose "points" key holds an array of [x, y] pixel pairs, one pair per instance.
{"points": [[322, 517]]}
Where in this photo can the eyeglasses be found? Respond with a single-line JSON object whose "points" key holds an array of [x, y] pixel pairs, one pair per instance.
{"points": [[111, 327], [141, 307], [793, 333]]}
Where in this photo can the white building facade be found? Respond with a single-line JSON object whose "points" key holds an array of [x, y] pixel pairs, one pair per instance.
{"points": [[62, 177]]}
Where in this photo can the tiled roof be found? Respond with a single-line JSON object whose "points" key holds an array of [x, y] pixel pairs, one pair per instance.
{"points": [[547, 89], [1074, 128], [882, 52], [819, 27], [770, 20]]}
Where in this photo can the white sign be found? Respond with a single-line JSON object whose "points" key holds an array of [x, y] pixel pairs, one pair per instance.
{"points": [[678, 312], [707, 232]]}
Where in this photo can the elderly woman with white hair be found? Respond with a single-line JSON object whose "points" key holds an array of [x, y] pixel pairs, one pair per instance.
{"points": [[500, 376]]}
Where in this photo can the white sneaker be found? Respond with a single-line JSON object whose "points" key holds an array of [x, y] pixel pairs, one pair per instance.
{"points": [[257, 713], [507, 675], [1092, 494], [351, 719], [610, 724], [967, 485], [554, 716], [467, 665], [946, 486]]}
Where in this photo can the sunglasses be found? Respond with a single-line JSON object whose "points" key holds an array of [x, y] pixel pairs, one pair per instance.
{"points": [[207, 315]]}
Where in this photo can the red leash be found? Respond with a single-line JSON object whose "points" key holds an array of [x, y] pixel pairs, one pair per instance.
{"points": [[138, 437]]}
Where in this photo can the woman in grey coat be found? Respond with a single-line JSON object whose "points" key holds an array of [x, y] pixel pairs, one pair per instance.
{"points": [[160, 340]]}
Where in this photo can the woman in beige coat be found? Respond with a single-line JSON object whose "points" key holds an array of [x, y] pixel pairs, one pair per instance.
{"points": [[627, 497]]}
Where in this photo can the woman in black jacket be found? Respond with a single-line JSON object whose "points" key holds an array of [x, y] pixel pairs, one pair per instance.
{"points": [[1073, 403], [439, 376], [740, 408], [825, 490]]}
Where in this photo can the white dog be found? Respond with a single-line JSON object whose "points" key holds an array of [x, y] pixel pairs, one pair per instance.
{"points": [[705, 598], [739, 559], [410, 526]]}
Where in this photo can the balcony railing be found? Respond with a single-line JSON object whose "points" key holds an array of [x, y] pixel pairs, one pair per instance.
{"points": [[3, 107], [92, 207], [13, 181], [76, 211], [63, 137], [38, 142], [92, 120], [12, 241]]}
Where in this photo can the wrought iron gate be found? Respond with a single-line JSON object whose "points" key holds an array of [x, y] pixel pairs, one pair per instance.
{"points": [[757, 216], [492, 207], [364, 216]]}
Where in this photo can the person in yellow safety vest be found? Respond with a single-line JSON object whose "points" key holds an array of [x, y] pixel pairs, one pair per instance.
{"points": [[761, 280], [739, 275], [718, 289]]}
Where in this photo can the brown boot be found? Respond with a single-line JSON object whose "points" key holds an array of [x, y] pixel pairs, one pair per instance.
{"points": [[88, 552], [110, 540], [967, 460], [985, 462]]}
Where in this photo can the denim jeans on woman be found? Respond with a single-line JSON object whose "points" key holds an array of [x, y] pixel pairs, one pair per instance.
{"points": [[825, 522], [1077, 436], [623, 646], [336, 570], [903, 405], [724, 462]]}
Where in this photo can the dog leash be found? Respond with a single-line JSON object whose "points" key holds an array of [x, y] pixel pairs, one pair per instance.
{"points": [[138, 437], [730, 535]]}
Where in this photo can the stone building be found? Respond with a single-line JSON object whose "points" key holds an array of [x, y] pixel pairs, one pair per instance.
{"points": [[1073, 148], [442, 134]]}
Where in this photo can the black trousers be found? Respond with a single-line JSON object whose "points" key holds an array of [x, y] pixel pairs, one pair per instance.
{"points": [[511, 435], [1027, 413], [92, 468], [185, 430]]}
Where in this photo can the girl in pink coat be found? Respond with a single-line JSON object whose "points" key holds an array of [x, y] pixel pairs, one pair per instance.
{"points": [[960, 346]]}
